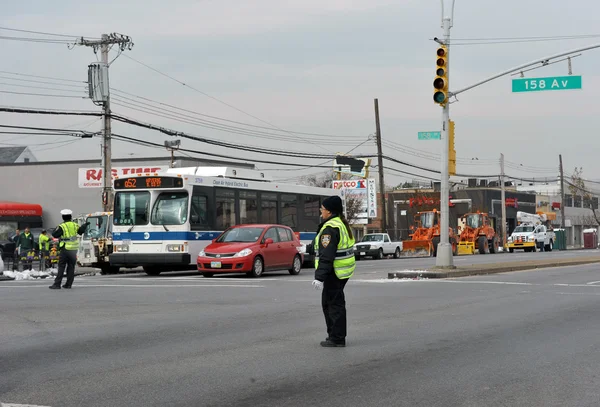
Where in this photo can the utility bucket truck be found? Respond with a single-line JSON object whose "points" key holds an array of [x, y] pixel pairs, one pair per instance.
{"points": [[534, 232]]}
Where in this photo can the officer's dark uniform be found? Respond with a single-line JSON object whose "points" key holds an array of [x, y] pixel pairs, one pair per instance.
{"points": [[68, 250], [333, 300]]}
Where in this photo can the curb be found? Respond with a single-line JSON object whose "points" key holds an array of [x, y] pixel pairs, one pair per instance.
{"points": [[478, 270]]}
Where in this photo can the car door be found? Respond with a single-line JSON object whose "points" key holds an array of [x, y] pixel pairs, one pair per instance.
{"points": [[387, 244], [271, 252], [287, 247]]}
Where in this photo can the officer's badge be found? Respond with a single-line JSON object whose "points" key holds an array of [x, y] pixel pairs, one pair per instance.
{"points": [[325, 240]]}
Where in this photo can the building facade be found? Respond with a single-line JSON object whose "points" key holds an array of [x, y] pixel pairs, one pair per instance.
{"points": [[77, 185]]}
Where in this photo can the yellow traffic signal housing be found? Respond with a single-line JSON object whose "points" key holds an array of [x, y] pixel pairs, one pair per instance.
{"points": [[451, 150], [440, 83]]}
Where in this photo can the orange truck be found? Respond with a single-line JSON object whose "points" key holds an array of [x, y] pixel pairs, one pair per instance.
{"points": [[479, 234], [425, 236]]}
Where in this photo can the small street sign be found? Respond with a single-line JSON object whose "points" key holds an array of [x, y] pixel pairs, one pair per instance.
{"points": [[548, 83], [430, 135]]}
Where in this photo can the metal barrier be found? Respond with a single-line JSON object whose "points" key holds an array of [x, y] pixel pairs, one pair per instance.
{"points": [[31, 259]]}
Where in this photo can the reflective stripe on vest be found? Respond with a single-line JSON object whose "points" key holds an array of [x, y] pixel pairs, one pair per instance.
{"points": [[344, 262], [68, 240]]}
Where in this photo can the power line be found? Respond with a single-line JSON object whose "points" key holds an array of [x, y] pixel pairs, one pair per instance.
{"points": [[204, 93], [41, 33], [42, 77], [41, 87], [183, 118], [43, 94], [225, 120]]}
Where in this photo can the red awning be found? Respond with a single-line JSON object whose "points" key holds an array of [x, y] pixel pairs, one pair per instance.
{"points": [[19, 209]]}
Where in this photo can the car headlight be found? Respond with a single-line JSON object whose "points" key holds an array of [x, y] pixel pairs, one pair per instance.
{"points": [[373, 247], [202, 254], [243, 253], [175, 248], [531, 238]]}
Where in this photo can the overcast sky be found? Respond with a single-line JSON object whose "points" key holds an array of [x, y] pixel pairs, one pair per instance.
{"points": [[315, 66]]}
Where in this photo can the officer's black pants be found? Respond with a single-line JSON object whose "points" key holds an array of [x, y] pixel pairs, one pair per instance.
{"points": [[334, 307], [68, 259]]}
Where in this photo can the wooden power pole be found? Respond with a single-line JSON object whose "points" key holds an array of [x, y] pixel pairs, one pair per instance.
{"points": [[380, 165]]}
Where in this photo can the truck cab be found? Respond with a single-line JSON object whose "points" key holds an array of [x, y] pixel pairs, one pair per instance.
{"points": [[377, 245], [95, 245], [531, 237]]}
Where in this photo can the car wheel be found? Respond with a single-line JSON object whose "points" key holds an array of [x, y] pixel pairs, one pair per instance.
{"points": [[296, 266], [380, 254], [397, 253], [208, 274], [257, 267]]}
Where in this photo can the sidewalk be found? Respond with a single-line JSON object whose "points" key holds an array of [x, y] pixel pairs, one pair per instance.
{"points": [[482, 269]]}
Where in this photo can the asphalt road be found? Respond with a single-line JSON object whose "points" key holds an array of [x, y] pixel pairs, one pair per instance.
{"points": [[513, 339]]}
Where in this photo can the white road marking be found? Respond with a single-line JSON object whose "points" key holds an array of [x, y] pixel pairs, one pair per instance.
{"points": [[19, 405], [143, 285], [593, 282]]}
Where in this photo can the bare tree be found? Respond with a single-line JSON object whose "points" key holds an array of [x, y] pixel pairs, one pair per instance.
{"points": [[353, 204], [578, 189]]}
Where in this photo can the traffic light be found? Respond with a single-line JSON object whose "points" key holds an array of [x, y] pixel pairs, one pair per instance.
{"points": [[355, 164], [440, 82], [451, 150]]}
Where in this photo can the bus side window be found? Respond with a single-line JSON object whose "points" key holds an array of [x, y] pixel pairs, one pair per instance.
{"points": [[199, 210]]}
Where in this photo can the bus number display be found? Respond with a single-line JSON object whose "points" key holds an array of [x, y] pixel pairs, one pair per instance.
{"points": [[148, 182]]}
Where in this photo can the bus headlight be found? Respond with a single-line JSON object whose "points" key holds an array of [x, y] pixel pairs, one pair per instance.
{"points": [[121, 248], [243, 253], [174, 247]]}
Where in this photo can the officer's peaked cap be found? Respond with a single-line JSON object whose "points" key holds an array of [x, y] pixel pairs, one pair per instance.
{"points": [[66, 212]]}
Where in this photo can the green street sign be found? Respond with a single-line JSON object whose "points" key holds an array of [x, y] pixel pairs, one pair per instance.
{"points": [[430, 135], [549, 83]]}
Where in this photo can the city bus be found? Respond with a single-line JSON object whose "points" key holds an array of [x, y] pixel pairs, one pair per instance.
{"points": [[162, 221]]}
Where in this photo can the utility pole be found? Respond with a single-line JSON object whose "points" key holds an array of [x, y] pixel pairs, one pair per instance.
{"points": [[380, 164], [562, 193], [172, 146], [444, 251], [99, 91], [503, 199]]}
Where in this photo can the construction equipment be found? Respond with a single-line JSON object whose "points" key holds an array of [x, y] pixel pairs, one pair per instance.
{"points": [[426, 236], [478, 233]]}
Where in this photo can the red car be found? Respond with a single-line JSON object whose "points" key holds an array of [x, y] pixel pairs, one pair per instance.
{"points": [[252, 249]]}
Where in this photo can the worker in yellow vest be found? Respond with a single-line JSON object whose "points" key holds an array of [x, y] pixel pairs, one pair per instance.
{"points": [[334, 265], [44, 245], [67, 233]]}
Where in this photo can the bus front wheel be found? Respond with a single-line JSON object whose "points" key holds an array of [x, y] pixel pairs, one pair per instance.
{"points": [[152, 271]]}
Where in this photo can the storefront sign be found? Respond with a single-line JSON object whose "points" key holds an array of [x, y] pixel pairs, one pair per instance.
{"points": [[92, 177], [511, 202]]}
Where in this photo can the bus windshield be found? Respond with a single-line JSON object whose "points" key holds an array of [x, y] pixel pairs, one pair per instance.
{"points": [[170, 208], [97, 228], [131, 208]]}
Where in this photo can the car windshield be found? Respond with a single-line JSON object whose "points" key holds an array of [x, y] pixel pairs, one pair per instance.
{"points": [[241, 235], [524, 229], [171, 208], [97, 228], [372, 238], [131, 208]]}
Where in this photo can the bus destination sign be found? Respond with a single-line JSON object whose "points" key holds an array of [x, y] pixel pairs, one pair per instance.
{"points": [[148, 182]]}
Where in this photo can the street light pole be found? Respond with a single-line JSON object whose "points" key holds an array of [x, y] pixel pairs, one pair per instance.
{"points": [[444, 250]]}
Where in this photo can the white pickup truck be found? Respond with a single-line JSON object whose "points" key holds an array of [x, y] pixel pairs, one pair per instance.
{"points": [[377, 245], [531, 238]]}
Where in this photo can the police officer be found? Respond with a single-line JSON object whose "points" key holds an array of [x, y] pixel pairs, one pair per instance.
{"points": [[334, 265], [67, 233]]}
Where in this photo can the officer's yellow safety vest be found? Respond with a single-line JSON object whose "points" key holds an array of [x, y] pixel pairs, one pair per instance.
{"points": [[68, 240], [44, 242], [344, 263]]}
